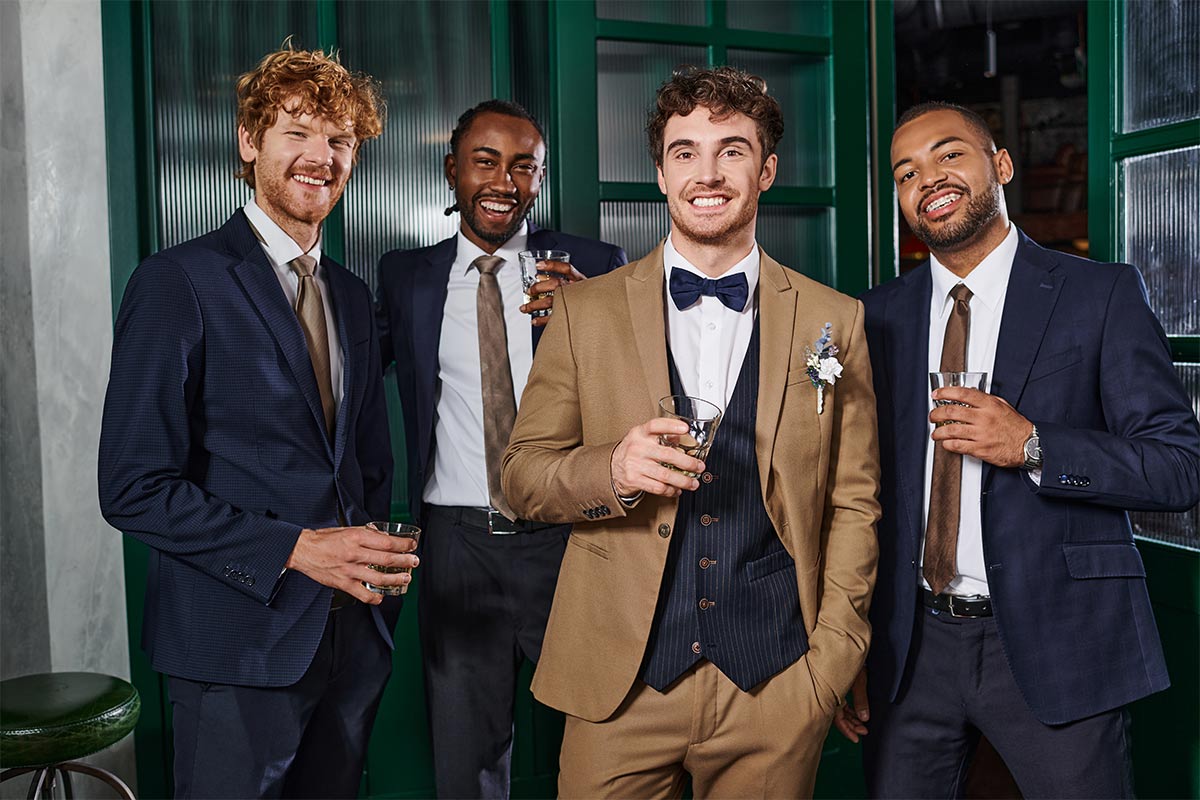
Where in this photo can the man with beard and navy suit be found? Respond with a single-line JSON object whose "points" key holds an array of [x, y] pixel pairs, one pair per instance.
{"points": [[1011, 601], [244, 430], [451, 318]]}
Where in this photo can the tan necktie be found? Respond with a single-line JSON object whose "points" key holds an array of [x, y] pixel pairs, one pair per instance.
{"points": [[499, 403], [311, 312], [945, 485]]}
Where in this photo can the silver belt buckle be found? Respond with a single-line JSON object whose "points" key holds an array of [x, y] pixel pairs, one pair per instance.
{"points": [[495, 518], [950, 602]]}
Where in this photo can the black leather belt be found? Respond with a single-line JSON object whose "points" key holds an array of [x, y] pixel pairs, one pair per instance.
{"points": [[340, 600], [489, 520], [955, 606]]}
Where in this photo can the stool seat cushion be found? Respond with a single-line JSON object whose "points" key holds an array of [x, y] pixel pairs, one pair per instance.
{"points": [[57, 717]]}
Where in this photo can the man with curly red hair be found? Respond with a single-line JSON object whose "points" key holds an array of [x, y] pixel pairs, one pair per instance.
{"points": [[245, 441]]}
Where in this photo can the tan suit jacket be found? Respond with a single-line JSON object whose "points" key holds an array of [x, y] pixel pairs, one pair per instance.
{"points": [[600, 370]]}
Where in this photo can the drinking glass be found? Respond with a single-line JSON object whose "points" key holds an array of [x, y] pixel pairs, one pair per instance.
{"points": [[702, 418], [393, 529], [969, 380], [530, 274]]}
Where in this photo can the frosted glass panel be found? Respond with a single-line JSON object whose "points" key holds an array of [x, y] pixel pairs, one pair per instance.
{"points": [[397, 196], [672, 12], [799, 238], [1162, 62], [1182, 528], [627, 76], [637, 227], [1162, 204], [801, 84], [200, 50], [805, 17]]}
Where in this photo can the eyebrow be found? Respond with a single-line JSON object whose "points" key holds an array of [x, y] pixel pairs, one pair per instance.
{"points": [[491, 151], [932, 147], [727, 140]]}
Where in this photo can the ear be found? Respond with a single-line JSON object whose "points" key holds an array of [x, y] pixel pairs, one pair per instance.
{"points": [[767, 176], [246, 147], [662, 181], [450, 169], [1004, 166]]}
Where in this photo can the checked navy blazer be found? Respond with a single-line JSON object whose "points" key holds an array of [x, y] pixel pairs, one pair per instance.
{"points": [[213, 452]]}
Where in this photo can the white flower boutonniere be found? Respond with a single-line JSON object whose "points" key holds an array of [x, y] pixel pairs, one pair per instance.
{"points": [[823, 367]]}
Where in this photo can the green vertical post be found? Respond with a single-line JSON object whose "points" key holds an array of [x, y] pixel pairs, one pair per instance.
{"points": [[883, 114], [333, 230], [1102, 114], [851, 175], [573, 117], [501, 29]]}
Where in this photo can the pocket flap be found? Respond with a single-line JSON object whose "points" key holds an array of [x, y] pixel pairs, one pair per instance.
{"points": [[1104, 560], [762, 567]]}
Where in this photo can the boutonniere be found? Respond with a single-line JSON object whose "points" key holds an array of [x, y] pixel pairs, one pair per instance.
{"points": [[823, 367]]}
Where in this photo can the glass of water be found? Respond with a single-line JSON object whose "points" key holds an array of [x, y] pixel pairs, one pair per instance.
{"points": [[530, 274], [393, 529], [702, 418], [969, 380]]}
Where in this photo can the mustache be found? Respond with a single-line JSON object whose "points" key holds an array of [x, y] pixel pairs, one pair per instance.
{"points": [[963, 190]]}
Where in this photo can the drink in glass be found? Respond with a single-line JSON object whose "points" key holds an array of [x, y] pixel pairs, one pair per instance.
{"points": [[393, 529], [702, 418], [969, 380], [530, 274]]}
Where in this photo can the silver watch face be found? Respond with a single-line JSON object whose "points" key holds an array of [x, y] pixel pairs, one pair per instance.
{"points": [[1033, 449]]}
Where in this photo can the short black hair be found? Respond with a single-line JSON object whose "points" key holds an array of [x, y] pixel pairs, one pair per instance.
{"points": [[976, 122], [505, 107]]}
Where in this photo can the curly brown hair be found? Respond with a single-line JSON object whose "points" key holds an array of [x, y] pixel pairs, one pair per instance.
{"points": [[306, 82], [724, 91]]}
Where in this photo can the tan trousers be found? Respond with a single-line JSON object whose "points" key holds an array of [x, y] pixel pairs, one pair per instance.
{"points": [[763, 743]]}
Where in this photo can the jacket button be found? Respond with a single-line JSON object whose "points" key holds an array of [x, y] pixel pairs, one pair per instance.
{"points": [[705, 563], [706, 520], [664, 530], [249, 581], [696, 648], [707, 477], [706, 604]]}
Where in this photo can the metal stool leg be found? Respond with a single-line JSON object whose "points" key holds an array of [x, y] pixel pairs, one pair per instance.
{"points": [[66, 784], [102, 775], [39, 780]]}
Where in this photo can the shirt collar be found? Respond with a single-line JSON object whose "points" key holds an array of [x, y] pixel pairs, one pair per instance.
{"points": [[468, 251], [988, 282], [281, 249], [748, 265]]}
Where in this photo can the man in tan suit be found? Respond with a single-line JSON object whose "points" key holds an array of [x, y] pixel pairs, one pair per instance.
{"points": [[702, 626]]}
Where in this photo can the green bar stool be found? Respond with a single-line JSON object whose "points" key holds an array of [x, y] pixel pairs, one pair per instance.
{"points": [[49, 720]]}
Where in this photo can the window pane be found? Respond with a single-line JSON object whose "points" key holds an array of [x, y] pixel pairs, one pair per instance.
{"points": [[804, 17], [637, 227], [673, 12], [799, 238], [1182, 528], [627, 76], [201, 48], [1161, 236], [801, 84], [1162, 51], [398, 194]]}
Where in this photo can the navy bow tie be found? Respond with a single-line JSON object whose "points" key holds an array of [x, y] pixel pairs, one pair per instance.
{"points": [[686, 288]]}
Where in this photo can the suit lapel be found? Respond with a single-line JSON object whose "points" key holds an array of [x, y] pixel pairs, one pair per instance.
{"points": [[776, 323], [428, 296], [258, 279], [339, 291], [644, 291], [907, 360]]}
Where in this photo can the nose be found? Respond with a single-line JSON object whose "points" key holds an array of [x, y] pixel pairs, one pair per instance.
{"points": [[502, 181], [707, 171], [932, 175], [320, 151]]}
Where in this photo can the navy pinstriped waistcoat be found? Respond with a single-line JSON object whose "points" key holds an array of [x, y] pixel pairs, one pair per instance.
{"points": [[729, 590]]}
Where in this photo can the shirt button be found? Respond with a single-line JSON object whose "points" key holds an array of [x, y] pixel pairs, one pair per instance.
{"points": [[707, 477], [664, 530], [706, 520], [712, 326], [706, 604], [708, 384], [696, 648], [705, 563]]}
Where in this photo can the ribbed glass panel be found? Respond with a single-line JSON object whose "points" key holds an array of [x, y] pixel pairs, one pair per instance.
{"points": [[672, 12], [529, 21], [801, 84], [1162, 62], [434, 62], [804, 17], [1162, 205], [627, 76], [800, 238], [1182, 528], [200, 50], [637, 227]]}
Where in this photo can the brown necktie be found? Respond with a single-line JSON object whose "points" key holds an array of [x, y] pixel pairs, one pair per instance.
{"points": [[311, 312], [945, 485], [499, 403]]}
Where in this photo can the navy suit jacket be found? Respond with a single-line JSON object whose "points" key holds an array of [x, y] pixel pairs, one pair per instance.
{"points": [[213, 452], [1081, 355], [413, 285]]}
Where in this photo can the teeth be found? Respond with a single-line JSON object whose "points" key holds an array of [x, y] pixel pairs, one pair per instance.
{"points": [[499, 208], [308, 180], [942, 202], [708, 202]]}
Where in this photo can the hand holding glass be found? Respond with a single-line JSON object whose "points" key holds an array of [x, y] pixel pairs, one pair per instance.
{"points": [[530, 274], [968, 380], [702, 418], [393, 529]]}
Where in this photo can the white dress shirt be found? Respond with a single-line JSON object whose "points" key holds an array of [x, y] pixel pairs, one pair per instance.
{"points": [[281, 249], [988, 283], [459, 474], [708, 340]]}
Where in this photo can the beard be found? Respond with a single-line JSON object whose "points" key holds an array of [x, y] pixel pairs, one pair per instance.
{"points": [[273, 187], [469, 216], [976, 214], [717, 232]]}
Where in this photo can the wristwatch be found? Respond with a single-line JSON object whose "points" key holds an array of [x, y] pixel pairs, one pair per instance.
{"points": [[1033, 451]]}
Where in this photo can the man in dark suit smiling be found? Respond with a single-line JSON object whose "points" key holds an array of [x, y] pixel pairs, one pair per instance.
{"points": [[451, 317], [1011, 601]]}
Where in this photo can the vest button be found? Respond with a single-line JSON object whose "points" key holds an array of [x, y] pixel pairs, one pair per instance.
{"points": [[664, 530], [696, 648], [707, 477], [706, 604], [705, 563], [706, 520]]}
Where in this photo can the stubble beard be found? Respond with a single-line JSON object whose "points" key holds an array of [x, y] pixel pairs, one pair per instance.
{"points": [[274, 188], [715, 236], [978, 212], [467, 210]]}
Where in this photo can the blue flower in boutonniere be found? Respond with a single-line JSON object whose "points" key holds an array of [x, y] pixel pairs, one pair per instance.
{"points": [[823, 367]]}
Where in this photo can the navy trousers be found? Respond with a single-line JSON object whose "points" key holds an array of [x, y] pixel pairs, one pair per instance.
{"points": [[958, 687], [485, 599], [304, 740]]}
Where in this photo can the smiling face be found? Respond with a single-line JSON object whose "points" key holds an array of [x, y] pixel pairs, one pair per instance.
{"points": [[301, 167], [496, 174], [712, 173], [948, 182]]}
